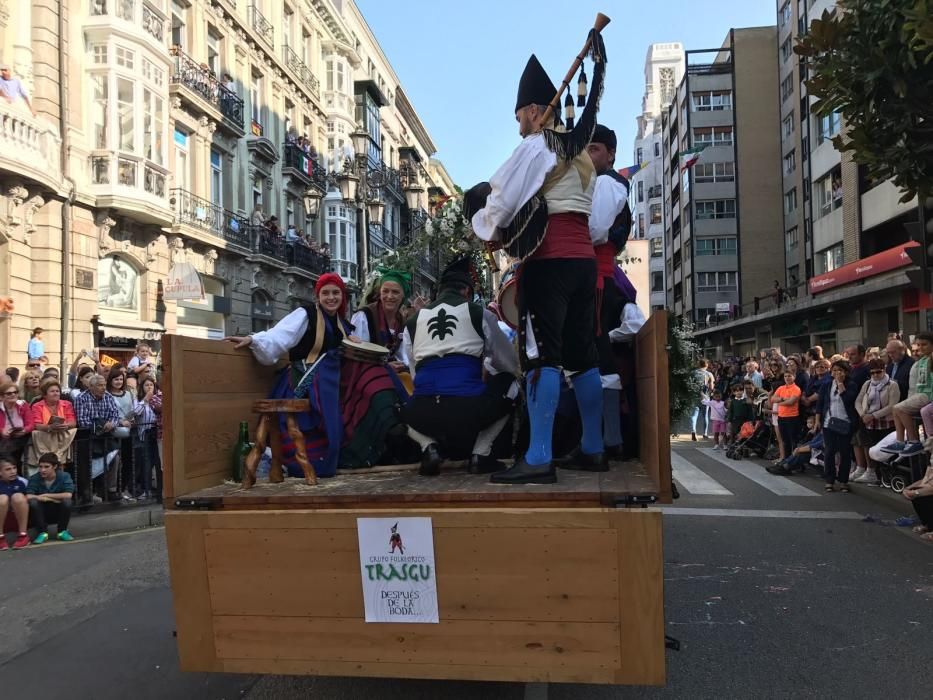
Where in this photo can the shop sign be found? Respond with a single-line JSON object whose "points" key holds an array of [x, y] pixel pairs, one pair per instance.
{"points": [[183, 283], [84, 278], [397, 568], [885, 261]]}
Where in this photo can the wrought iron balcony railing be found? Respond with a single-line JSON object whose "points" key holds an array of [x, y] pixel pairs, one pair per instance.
{"points": [[213, 218], [261, 26], [301, 70], [201, 80], [301, 256]]}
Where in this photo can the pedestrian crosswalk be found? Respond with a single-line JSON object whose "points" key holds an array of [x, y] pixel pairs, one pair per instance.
{"points": [[694, 480]]}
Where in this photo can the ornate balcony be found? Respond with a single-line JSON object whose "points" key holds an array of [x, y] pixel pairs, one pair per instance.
{"points": [[199, 86], [302, 257], [301, 71], [261, 26], [29, 146], [207, 216]]}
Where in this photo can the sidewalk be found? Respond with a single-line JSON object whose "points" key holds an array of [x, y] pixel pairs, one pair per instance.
{"points": [[105, 520]]}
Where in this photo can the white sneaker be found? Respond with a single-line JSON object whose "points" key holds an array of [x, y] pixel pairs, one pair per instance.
{"points": [[857, 474], [867, 477]]}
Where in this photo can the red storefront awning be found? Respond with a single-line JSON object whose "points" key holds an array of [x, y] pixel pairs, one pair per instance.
{"points": [[885, 261]]}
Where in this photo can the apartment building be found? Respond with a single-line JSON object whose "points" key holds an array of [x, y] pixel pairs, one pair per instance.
{"points": [[843, 236], [664, 70], [163, 129], [722, 216]]}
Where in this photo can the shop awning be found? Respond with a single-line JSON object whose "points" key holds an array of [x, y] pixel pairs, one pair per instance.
{"points": [[128, 328]]}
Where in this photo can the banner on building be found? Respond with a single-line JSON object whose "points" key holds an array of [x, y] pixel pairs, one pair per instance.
{"points": [[397, 568], [885, 261], [183, 283]]}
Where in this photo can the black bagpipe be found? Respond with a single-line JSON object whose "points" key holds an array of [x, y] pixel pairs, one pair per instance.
{"points": [[527, 229]]}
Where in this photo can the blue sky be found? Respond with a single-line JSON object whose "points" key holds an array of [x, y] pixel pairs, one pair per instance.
{"points": [[459, 62]]}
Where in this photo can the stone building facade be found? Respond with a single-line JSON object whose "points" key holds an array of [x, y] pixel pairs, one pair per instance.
{"points": [[160, 127]]}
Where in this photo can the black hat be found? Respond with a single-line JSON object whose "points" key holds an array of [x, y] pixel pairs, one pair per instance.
{"points": [[458, 272], [604, 135], [535, 87]]}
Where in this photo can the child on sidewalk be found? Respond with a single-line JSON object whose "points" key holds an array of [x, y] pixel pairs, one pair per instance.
{"points": [[717, 417], [13, 496]]}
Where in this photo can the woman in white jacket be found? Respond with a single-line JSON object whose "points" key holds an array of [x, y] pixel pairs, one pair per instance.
{"points": [[875, 406]]}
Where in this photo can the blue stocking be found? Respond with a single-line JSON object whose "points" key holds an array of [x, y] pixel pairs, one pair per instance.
{"points": [[543, 391], [589, 391]]}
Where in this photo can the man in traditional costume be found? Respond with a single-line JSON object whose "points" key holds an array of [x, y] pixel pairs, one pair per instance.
{"points": [[454, 413], [353, 404], [610, 223], [537, 205]]}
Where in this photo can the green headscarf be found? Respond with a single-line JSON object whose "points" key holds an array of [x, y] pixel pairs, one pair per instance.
{"points": [[387, 274]]}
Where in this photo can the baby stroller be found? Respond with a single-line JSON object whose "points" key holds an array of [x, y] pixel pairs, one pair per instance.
{"points": [[755, 437]]}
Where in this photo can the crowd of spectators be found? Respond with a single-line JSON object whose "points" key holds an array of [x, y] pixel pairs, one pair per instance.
{"points": [[850, 414], [96, 437]]}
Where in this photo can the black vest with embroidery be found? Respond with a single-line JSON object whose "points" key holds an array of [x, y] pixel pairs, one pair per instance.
{"points": [[306, 344]]}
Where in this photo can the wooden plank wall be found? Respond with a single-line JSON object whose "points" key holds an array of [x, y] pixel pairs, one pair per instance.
{"points": [[208, 389], [524, 595], [652, 384]]}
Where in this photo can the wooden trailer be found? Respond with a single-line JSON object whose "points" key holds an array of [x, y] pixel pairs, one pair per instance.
{"points": [[557, 583]]}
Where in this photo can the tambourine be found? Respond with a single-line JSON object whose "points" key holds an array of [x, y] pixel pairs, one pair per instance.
{"points": [[370, 353]]}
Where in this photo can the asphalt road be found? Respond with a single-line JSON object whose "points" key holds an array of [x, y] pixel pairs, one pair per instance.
{"points": [[772, 594]]}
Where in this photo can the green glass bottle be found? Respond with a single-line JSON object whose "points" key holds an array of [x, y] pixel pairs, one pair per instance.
{"points": [[240, 451]]}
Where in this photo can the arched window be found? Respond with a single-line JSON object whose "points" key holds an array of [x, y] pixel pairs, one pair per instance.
{"points": [[261, 311], [117, 284]]}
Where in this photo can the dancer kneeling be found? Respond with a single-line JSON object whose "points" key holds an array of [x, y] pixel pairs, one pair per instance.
{"points": [[354, 405], [454, 413]]}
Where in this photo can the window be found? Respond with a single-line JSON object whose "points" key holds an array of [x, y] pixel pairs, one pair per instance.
{"points": [[716, 246], [639, 156], [641, 190], [829, 259], [126, 9], [126, 58], [790, 201], [715, 209], [657, 247], [790, 162], [657, 149], [786, 50], [99, 111], [654, 212], [261, 311], [641, 226], [126, 108], [153, 73], [153, 120], [784, 14], [712, 136], [98, 54], [829, 127], [288, 22], [712, 101], [787, 126], [657, 281], [217, 178], [791, 239], [179, 35], [717, 281], [341, 235], [829, 193], [307, 48], [255, 99], [714, 172], [182, 170], [213, 50], [787, 87], [335, 75]]}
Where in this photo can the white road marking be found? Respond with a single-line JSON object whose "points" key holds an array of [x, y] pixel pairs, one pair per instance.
{"points": [[744, 513], [780, 485], [694, 480]]}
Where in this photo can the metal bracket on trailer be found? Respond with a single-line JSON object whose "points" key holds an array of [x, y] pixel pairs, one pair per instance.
{"points": [[195, 504]]}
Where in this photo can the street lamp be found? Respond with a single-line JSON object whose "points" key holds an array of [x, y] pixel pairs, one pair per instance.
{"points": [[349, 184], [413, 197], [312, 202], [376, 209], [360, 143]]}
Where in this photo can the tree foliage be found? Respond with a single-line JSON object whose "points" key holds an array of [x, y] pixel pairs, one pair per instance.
{"points": [[872, 62], [684, 384]]}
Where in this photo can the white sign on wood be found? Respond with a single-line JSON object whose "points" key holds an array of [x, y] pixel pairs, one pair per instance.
{"points": [[397, 569]]}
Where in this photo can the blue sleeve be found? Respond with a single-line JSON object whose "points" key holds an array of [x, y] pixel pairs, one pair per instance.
{"points": [[68, 484], [33, 486]]}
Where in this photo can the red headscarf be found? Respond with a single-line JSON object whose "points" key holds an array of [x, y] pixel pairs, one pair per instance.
{"points": [[336, 280]]}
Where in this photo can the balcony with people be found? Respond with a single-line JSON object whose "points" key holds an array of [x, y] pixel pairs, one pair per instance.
{"points": [[301, 161], [198, 85], [29, 145], [296, 251], [208, 218]]}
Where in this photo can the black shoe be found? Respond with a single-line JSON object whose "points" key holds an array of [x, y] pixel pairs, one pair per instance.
{"points": [[484, 464], [430, 461], [614, 452], [523, 473], [580, 461], [779, 469]]}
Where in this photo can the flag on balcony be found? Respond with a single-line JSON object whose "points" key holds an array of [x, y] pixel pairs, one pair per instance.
{"points": [[689, 158], [628, 172]]}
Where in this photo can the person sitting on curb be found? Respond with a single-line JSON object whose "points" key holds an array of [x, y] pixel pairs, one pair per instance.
{"points": [[50, 493], [13, 496]]}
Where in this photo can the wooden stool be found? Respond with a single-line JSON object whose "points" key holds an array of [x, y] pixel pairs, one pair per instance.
{"points": [[268, 433]]}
